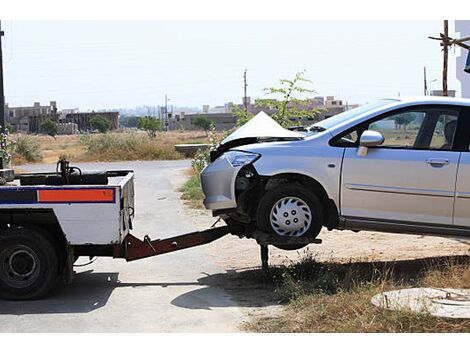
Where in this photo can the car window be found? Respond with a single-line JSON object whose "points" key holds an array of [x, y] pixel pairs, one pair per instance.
{"points": [[420, 129]]}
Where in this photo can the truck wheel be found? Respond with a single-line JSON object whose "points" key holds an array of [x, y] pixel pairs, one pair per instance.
{"points": [[29, 264], [290, 211]]}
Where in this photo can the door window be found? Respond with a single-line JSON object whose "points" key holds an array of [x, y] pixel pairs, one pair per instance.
{"points": [[420, 129]]}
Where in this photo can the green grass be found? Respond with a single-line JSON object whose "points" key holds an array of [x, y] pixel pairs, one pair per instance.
{"points": [[192, 191], [328, 297]]}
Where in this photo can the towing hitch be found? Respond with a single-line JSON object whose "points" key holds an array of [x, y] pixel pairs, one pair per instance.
{"points": [[133, 248]]}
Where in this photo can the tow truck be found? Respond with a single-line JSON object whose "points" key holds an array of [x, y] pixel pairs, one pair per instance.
{"points": [[48, 220]]}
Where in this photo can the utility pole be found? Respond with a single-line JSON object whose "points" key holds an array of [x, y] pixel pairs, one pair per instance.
{"points": [[167, 123], [245, 102], [425, 83], [6, 174], [446, 43], [2, 100], [2, 93]]}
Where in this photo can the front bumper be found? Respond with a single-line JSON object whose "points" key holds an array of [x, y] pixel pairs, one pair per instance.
{"points": [[218, 185]]}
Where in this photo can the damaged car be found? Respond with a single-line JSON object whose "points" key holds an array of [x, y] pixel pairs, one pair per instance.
{"points": [[394, 165]]}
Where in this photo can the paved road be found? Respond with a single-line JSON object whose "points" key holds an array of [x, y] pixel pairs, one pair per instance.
{"points": [[169, 293]]}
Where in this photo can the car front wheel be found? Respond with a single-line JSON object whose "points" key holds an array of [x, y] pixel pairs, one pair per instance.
{"points": [[290, 211]]}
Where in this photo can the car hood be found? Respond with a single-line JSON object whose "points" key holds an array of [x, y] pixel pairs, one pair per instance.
{"points": [[261, 128]]}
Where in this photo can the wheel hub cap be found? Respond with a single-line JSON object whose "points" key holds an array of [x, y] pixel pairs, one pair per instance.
{"points": [[290, 216], [19, 265]]}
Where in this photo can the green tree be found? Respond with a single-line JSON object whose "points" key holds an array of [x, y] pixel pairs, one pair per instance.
{"points": [[291, 103], [100, 123], [49, 127], [151, 125], [129, 121], [404, 119], [203, 123]]}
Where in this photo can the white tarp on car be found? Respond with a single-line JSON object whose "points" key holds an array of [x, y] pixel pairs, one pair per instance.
{"points": [[261, 126]]}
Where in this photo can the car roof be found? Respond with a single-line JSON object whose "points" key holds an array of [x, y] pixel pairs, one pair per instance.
{"points": [[433, 100]]}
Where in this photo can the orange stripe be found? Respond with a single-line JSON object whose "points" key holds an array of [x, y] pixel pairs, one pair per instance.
{"points": [[76, 195]]}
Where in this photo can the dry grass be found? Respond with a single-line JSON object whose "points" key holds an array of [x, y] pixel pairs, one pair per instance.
{"points": [[328, 297], [112, 146]]}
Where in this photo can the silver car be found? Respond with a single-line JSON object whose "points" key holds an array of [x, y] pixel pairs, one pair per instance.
{"points": [[395, 165]]}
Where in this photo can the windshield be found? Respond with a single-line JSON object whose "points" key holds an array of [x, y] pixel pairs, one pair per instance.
{"points": [[348, 115]]}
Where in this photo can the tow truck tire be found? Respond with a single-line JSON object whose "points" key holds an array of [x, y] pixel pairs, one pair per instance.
{"points": [[301, 199], [29, 264]]}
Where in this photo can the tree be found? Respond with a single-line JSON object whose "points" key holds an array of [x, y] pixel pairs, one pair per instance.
{"points": [[291, 105], [100, 123], [151, 125], [49, 127], [129, 121], [203, 123], [404, 119]]}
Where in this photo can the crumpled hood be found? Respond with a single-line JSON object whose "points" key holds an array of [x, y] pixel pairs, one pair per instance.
{"points": [[261, 126]]}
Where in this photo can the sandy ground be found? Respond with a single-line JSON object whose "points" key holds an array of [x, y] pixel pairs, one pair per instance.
{"points": [[231, 253], [234, 256]]}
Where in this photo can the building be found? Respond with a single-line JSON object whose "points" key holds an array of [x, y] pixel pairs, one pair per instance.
{"points": [[225, 119], [462, 28], [28, 119], [439, 93], [83, 119]]}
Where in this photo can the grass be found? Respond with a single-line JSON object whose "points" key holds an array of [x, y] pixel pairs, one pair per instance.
{"points": [[114, 146], [328, 297], [192, 191]]}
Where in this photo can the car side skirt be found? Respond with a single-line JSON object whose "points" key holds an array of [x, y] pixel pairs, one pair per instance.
{"points": [[365, 224]]}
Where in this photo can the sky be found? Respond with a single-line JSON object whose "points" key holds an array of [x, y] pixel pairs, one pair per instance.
{"points": [[123, 64]]}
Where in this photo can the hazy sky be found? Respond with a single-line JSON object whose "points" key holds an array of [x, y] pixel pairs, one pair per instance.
{"points": [[114, 64]]}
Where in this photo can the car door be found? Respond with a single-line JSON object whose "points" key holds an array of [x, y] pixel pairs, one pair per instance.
{"points": [[411, 177], [462, 195]]}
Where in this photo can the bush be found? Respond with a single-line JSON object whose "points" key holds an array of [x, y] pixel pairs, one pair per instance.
{"points": [[100, 123], [123, 146], [27, 148], [151, 125], [203, 123], [49, 127]]}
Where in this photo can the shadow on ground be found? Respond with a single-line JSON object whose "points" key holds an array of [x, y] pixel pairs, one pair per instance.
{"points": [[249, 287]]}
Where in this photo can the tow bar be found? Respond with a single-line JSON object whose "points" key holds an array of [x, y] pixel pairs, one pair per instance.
{"points": [[133, 248]]}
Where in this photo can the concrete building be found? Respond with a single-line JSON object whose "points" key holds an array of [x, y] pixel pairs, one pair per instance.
{"points": [[439, 93], [462, 28], [83, 119], [28, 119], [224, 118]]}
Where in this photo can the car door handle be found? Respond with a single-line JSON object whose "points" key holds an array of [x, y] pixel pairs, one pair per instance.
{"points": [[437, 162]]}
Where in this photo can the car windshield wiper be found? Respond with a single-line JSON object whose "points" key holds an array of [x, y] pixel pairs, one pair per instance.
{"points": [[317, 129]]}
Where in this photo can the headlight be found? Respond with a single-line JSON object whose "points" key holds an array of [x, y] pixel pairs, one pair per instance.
{"points": [[237, 158]]}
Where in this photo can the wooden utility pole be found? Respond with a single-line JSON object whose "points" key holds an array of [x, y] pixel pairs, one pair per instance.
{"points": [[245, 102], [446, 43], [2, 93], [425, 83], [2, 102]]}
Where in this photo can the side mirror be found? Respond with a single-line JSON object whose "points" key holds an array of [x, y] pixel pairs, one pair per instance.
{"points": [[369, 139]]}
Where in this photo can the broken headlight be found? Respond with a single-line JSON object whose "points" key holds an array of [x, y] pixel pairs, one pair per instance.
{"points": [[238, 158]]}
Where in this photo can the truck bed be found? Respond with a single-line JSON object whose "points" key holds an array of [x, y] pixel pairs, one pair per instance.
{"points": [[87, 214]]}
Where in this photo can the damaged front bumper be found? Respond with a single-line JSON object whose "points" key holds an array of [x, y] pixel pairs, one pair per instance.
{"points": [[218, 184]]}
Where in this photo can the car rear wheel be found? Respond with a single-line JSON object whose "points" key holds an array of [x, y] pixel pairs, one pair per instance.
{"points": [[290, 211], [29, 264]]}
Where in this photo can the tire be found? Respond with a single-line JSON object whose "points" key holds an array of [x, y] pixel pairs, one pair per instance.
{"points": [[29, 264], [295, 203]]}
